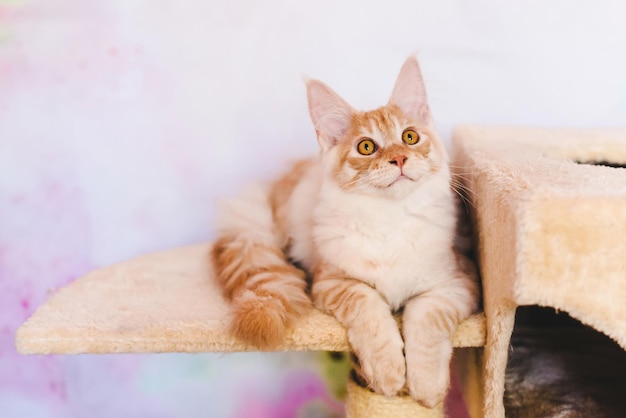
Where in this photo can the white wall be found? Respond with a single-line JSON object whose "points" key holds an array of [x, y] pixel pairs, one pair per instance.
{"points": [[121, 122]]}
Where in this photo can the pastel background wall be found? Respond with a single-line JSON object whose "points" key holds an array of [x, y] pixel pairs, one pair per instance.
{"points": [[121, 123]]}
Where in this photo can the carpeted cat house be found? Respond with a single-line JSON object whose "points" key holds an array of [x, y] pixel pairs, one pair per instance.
{"points": [[549, 215]]}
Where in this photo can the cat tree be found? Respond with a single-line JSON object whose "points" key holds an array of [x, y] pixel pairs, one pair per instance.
{"points": [[168, 302], [549, 211], [550, 227]]}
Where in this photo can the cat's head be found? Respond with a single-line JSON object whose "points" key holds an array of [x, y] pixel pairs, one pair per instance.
{"points": [[389, 151]]}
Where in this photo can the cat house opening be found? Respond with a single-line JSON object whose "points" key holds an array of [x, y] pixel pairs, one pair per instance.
{"points": [[605, 163], [559, 367]]}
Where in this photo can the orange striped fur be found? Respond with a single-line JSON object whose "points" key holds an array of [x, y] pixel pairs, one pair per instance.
{"points": [[266, 291], [374, 226]]}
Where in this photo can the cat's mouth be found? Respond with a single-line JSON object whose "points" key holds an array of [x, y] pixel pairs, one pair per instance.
{"points": [[400, 179]]}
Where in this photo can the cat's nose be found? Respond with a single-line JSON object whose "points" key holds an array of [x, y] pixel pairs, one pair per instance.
{"points": [[398, 160]]}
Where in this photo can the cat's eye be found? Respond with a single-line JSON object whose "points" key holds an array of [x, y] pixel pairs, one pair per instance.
{"points": [[410, 137], [366, 147]]}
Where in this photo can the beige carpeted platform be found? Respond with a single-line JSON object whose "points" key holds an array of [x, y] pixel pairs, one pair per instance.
{"points": [[168, 302], [551, 228], [165, 302]]}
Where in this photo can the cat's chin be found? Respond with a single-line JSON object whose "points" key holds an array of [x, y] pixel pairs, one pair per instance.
{"points": [[401, 179], [402, 188], [399, 188]]}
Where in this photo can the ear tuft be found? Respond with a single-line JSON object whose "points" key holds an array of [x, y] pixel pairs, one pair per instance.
{"points": [[330, 114], [409, 92]]}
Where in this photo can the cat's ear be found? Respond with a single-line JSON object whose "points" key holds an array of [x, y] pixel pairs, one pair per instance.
{"points": [[331, 115], [409, 92]]}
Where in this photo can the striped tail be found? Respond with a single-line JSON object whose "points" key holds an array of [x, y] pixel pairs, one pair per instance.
{"points": [[266, 292]]}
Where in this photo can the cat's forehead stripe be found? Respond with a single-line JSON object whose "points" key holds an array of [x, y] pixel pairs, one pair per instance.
{"points": [[384, 121]]}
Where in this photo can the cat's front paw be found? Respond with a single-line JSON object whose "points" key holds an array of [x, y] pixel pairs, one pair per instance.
{"points": [[428, 373], [428, 390], [384, 369]]}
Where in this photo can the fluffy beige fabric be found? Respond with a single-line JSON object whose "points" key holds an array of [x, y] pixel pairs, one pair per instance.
{"points": [[168, 302], [165, 302], [551, 231], [362, 402]]}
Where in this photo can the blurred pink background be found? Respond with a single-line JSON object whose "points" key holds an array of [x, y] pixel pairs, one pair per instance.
{"points": [[122, 122]]}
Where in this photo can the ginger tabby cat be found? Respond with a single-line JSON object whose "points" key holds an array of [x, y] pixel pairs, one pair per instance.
{"points": [[373, 220]]}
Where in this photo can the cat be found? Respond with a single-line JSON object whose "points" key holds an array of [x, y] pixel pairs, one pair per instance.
{"points": [[372, 220]]}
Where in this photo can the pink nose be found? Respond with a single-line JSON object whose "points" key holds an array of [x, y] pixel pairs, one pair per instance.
{"points": [[398, 160]]}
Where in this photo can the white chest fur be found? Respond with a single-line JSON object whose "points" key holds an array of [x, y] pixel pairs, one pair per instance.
{"points": [[400, 247]]}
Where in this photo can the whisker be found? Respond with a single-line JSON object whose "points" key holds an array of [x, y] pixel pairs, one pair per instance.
{"points": [[461, 186], [365, 178], [462, 191], [456, 166], [359, 181], [465, 200]]}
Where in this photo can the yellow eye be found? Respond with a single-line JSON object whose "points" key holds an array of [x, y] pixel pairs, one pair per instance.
{"points": [[366, 147], [410, 137]]}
